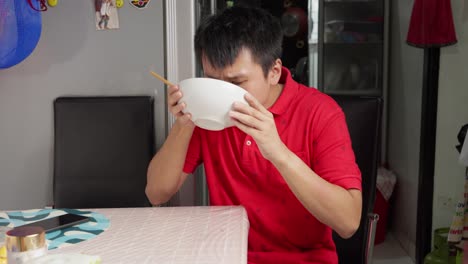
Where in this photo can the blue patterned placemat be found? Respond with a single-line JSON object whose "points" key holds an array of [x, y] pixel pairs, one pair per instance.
{"points": [[62, 237]]}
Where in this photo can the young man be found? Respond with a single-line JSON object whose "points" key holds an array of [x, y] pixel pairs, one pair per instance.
{"points": [[288, 160]]}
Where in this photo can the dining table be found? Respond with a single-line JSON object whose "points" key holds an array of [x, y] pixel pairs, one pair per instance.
{"points": [[172, 235]]}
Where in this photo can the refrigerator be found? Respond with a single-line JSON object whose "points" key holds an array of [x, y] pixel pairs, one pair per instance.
{"points": [[336, 46]]}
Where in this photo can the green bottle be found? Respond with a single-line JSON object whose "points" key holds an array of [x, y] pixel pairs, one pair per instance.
{"points": [[459, 257], [440, 254]]}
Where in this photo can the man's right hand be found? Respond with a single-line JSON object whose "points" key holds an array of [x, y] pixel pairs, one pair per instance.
{"points": [[174, 94]]}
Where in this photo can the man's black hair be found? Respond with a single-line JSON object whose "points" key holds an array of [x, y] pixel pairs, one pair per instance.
{"points": [[221, 37]]}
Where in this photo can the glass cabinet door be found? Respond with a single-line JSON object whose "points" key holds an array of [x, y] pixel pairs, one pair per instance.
{"points": [[347, 57], [336, 46]]}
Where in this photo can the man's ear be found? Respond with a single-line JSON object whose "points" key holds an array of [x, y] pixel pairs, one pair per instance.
{"points": [[275, 72]]}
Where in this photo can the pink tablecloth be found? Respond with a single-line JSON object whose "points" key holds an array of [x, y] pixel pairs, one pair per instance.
{"points": [[170, 235]]}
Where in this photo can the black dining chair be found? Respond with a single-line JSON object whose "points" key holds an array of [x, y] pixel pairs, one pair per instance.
{"points": [[102, 148], [363, 116]]}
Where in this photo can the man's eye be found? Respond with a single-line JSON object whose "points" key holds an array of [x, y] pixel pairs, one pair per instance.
{"points": [[237, 83]]}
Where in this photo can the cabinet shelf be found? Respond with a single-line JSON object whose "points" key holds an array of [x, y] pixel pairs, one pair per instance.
{"points": [[350, 1], [366, 27], [339, 43], [372, 92]]}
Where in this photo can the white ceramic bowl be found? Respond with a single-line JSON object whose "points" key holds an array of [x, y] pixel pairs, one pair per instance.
{"points": [[209, 101]]}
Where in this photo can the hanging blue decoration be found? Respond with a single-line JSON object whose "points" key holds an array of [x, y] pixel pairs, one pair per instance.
{"points": [[20, 29]]}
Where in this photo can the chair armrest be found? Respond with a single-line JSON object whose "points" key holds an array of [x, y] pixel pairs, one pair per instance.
{"points": [[372, 226]]}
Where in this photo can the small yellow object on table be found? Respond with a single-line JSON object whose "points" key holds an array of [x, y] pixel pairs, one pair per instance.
{"points": [[3, 254]]}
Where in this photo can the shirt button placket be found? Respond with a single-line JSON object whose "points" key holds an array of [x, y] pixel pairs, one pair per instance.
{"points": [[248, 152]]}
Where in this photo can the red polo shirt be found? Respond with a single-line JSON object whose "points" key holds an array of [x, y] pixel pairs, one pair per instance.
{"points": [[282, 231]]}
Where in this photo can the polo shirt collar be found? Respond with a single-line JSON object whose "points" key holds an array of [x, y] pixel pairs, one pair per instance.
{"points": [[290, 90]]}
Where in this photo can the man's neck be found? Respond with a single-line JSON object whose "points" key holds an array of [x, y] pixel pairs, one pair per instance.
{"points": [[274, 95]]}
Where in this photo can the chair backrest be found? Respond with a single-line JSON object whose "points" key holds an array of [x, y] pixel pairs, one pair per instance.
{"points": [[363, 116], [103, 146]]}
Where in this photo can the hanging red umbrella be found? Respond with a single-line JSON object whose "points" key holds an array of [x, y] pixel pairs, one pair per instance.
{"points": [[431, 24]]}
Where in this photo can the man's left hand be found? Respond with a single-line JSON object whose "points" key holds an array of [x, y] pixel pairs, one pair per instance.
{"points": [[255, 120]]}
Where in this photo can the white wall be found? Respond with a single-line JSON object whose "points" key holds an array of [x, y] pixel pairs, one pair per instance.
{"points": [[405, 91], [452, 114], [72, 58]]}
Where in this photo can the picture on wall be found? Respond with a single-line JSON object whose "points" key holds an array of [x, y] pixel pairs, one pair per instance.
{"points": [[106, 15], [140, 4]]}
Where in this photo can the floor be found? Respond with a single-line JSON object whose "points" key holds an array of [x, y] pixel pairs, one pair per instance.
{"points": [[390, 252]]}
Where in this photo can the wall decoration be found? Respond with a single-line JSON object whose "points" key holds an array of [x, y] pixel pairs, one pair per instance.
{"points": [[119, 3], [52, 3], [20, 30], [42, 5], [106, 14], [140, 4]]}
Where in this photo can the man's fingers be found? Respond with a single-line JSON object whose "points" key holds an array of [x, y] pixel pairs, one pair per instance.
{"points": [[172, 89], [253, 102], [248, 110], [184, 118], [174, 98], [244, 128], [245, 119], [173, 95], [176, 110]]}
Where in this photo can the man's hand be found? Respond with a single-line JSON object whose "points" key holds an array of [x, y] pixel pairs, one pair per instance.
{"points": [[256, 121], [173, 96]]}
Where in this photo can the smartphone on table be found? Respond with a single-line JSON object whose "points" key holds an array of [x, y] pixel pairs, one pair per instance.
{"points": [[59, 222]]}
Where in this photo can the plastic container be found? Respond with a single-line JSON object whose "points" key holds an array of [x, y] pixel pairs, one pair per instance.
{"points": [[459, 259], [381, 208], [441, 253], [464, 255], [25, 243], [386, 181], [3, 255]]}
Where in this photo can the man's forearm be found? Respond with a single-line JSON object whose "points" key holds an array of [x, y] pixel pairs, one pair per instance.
{"points": [[165, 169], [331, 204]]}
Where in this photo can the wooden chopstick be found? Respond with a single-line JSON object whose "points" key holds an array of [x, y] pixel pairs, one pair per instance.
{"points": [[161, 78]]}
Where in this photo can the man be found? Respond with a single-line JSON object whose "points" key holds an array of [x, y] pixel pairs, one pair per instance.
{"points": [[288, 160]]}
